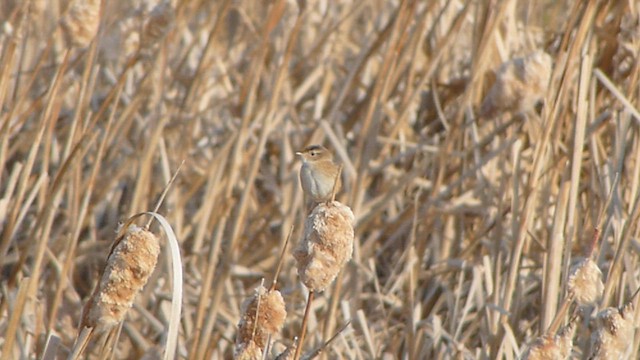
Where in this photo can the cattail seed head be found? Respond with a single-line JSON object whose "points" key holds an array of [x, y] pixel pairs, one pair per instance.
{"points": [[247, 351], [615, 333], [520, 84], [80, 22], [327, 244], [585, 282], [158, 25], [548, 347], [262, 315], [129, 265]]}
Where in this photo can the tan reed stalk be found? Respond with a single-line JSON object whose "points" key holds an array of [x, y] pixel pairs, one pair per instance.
{"points": [[14, 321], [303, 326], [553, 258], [371, 119], [281, 260], [586, 68], [72, 243], [193, 87], [616, 265], [321, 348], [40, 232], [540, 159], [289, 353], [80, 23], [267, 121]]}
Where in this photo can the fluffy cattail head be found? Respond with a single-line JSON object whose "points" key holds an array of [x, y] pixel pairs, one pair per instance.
{"points": [[262, 315], [548, 347], [247, 351], [129, 265], [80, 22], [614, 334], [520, 84], [158, 25], [327, 244], [585, 282]]}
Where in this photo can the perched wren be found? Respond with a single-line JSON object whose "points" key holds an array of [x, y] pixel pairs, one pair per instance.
{"points": [[318, 173]]}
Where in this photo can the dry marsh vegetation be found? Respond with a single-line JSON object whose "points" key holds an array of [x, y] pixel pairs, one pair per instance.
{"points": [[490, 152]]}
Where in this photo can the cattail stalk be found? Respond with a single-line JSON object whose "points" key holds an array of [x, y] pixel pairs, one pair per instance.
{"points": [[303, 330]]}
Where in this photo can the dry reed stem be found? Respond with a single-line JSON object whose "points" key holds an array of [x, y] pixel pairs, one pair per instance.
{"points": [[303, 326], [14, 321], [72, 244], [616, 264], [540, 158], [288, 354], [336, 181], [553, 263], [132, 260], [281, 259], [320, 349]]}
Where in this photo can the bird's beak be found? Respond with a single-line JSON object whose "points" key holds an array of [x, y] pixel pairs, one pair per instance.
{"points": [[298, 153]]}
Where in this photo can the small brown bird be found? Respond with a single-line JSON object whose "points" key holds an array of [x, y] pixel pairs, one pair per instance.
{"points": [[318, 173]]}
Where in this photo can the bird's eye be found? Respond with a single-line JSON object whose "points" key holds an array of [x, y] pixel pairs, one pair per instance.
{"points": [[313, 153]]}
